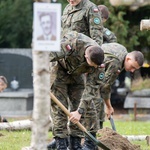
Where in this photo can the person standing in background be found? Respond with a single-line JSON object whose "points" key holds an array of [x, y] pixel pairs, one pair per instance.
{"points": [[3, 86], [108, 36]]}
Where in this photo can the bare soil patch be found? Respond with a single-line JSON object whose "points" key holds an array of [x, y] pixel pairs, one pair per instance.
{"points": [[115, 141]]}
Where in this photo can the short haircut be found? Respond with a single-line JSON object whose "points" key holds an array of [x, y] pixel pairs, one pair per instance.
{"points": [[96, 55], [45, 14], [2, 78], [138, 56], [104, 11]]}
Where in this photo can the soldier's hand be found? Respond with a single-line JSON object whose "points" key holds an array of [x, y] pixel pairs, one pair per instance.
{"points": [[109, 111], [75, 117]]}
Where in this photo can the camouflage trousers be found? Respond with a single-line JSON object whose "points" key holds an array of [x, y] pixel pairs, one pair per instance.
{"points": [[91, 118], [95, 114], [99, 104], [68, 89]]}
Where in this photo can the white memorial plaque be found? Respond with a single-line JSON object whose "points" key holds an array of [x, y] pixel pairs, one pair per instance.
{"points": [[46, 26]]}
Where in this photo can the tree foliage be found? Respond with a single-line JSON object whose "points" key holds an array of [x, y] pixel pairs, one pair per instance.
{"points": [[15, 23]]}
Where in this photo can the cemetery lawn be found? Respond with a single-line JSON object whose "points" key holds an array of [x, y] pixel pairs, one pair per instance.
{"points": [[16, 140]]}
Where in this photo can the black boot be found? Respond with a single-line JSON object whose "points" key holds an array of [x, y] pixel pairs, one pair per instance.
{"points": [[88, 144], [101, 124], [74, 143], [61, 143], [52, 145]]}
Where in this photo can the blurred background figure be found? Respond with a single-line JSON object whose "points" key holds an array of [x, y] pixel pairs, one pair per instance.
{"points": [[3, 86]]}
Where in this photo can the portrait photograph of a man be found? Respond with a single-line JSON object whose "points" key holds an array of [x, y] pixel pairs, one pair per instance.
{"points": [[46, 26], [46, 23]]}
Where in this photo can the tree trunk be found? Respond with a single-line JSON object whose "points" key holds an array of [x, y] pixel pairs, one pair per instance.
{"points": [[145, 24], [135, 137], [18, 125], [41, 109]]}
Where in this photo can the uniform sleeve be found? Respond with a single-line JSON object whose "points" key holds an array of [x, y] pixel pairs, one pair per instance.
{"points": [[108, 36], [111, 73], [95, 25], [68, 44], [93, 82]]}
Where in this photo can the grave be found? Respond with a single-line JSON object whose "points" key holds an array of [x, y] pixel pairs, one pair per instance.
{"points": [[17, 63], [16, 103], [139, 99]]}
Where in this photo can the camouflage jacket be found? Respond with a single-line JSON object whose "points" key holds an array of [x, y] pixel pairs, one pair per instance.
{"points": [[72, 59], [114, 63], [83, 18], [108, 36]]}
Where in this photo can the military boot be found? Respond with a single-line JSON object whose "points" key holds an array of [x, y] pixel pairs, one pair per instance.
{"points": [[101, 124], [61, 143], [52, 145], [74, 143], [88, 144]]}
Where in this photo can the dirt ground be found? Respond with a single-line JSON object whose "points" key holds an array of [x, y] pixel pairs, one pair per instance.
{"points": [[115, 141]]}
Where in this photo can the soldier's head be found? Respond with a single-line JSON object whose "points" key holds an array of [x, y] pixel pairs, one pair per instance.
{"points": [[3, 83], [133, 61], [104, 12], [94, 56], [74, 2]]}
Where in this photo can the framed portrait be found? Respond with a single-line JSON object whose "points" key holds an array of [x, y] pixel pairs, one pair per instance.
{"points": [[46, 26]]}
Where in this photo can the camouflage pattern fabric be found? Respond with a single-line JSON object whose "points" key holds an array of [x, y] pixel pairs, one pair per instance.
{"points": [[114, 63], [95, 80], [114, 58], [66, 85], [108, 36], [83, 18], [69, 83]]}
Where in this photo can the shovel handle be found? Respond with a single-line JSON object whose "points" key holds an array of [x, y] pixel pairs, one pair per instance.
{"points": [[66, 111], [78, 124]]}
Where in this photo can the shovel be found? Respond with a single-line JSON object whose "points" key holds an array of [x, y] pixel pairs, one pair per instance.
{"points": [[112, 123], [88, 134]]}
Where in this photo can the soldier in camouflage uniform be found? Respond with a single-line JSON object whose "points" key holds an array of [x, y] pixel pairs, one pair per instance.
{"points": [[84, 17], [73, 61], [116, 59], [108, 37], [81, 16]]}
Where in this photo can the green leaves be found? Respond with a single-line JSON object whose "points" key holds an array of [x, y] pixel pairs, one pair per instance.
{"points": [[16, 23]]}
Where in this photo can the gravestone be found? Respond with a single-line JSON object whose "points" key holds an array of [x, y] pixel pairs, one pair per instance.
{"points": [[17, 63]]}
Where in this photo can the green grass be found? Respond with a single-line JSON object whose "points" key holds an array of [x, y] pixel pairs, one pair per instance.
{"points": [[15, 140]]}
